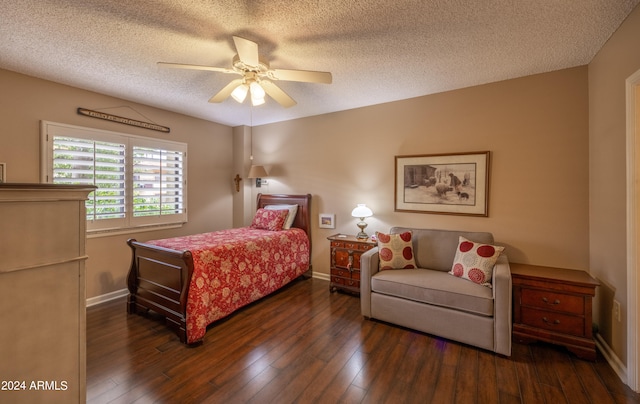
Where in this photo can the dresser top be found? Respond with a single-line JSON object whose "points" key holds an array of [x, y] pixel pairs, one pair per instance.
{"points": [[13, 192], [535, 272], [352, 239]]}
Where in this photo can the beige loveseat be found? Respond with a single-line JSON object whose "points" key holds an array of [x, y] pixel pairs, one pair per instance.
{"points": [[430, 300]]}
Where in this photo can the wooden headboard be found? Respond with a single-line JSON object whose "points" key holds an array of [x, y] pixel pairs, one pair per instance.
{"points": [[303, 217]]}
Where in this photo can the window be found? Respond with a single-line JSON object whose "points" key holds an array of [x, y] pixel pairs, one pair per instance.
{"points": [[140, 181]]}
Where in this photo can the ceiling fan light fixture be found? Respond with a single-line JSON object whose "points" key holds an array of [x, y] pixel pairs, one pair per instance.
{"points": [[256, 90], [257, 101], [256, 75], [257, 93], [240, 93]]}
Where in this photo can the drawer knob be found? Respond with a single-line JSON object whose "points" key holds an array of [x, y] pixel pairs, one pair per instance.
{"points": [[544, 299], [548, 322]]}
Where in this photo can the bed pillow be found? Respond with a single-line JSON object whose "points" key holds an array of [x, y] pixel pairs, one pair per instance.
{"points": [[292, 209], [475, 261], [395, 250], [266, 219]]}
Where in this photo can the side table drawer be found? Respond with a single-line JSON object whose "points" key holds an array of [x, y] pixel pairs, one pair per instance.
{"points": [[337, 280], [550, 300], [552, 321], [343, 258], [345, 273], [353, 283], [358, 246]]}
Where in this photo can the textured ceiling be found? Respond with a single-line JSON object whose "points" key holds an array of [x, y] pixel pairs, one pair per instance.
{"points": [[378, 51]]}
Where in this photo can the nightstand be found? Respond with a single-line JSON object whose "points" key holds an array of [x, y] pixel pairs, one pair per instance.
{"points": [[345, 262], [554, 305]]}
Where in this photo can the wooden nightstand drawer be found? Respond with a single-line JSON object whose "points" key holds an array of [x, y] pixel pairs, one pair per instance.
{"points": [[338, 280], [552, 321], [358, 246], [341, 281], [345, 259], [552, 301], [343, 273]]}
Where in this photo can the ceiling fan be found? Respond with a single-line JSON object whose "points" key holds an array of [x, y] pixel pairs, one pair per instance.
{"points": [[257, 77]]}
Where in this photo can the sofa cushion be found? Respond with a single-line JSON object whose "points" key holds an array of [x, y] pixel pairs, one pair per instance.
{"points": [[396, 251], [435, 287], [475, 261], [435, 249]]}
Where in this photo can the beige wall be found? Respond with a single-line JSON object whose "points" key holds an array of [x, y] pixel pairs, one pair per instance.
{"points": [[24, 101], [615, 62], [535, 127]]}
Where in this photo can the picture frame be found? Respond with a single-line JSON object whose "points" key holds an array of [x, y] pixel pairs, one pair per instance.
{"points": [[3, 173], [327, 220], [453, 184]]}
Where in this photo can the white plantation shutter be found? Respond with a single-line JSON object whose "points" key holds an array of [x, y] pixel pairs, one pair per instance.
{"points": [[158, 182], [141, 181], [89, 162]]}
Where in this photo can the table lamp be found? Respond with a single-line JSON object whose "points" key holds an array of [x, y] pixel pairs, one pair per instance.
{"points": [[361, 211]]}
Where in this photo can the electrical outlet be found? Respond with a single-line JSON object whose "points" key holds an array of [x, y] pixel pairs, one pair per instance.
{"points": [[616, 310]]}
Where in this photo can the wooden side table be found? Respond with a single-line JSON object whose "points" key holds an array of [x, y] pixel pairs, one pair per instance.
{"points": [[554, 305], [345, 262]]}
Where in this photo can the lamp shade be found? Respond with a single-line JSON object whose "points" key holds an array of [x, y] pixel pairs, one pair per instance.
{"points": [[361, 211], [257, 94], [240, 93], [257, 172]]}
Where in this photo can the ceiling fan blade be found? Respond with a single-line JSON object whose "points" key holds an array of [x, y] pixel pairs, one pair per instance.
{"points": [[277, 94], [305, 76], [226, 91], [196, 67], [247, 51]]}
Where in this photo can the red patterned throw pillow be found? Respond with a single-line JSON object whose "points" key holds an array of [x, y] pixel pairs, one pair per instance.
{"points": [[475, 261], [269, 219], [396, 251]]}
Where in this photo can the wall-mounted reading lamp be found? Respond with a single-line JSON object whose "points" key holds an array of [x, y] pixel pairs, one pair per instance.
{"points": [[257, 172]]}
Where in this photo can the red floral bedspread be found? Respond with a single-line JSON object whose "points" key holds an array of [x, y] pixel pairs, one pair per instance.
{"points": [[235, 267]]}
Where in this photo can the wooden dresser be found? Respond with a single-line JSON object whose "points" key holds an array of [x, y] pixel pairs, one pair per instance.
{"points": [[345, 262], [554, 305], [42, 287]]}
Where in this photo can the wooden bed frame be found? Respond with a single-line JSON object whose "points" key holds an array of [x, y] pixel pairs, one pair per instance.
{"points": [[159, 278]]}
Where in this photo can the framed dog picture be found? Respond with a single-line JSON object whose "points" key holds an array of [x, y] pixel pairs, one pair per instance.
{"points": [[455, 184]]}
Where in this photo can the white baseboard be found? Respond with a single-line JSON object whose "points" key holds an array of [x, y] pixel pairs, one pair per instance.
{"points": [[318, 275], [92, 301], [613, 360]]}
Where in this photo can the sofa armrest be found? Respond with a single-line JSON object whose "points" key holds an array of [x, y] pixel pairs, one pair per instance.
{"points": [[369, 264], [502, 295]]}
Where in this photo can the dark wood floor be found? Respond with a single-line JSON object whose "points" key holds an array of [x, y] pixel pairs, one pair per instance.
{"points": [[304, 345]]}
